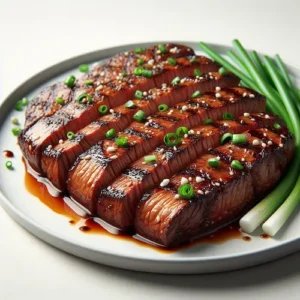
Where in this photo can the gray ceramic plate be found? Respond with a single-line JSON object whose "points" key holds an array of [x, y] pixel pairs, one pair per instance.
{"points": [[54, 229]]}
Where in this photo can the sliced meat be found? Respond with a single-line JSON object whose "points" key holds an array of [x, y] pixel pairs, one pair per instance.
{"points": [[117, 205], [56, 161], [77, 114], [89, 176], [44, 104], [222, 194]]}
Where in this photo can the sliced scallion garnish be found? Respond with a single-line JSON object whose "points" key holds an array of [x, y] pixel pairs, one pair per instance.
{"points": [[89, 82], [16, 131], [213, 162], [139, 116], [139, 50], [103, 109], [140, 61], [235, 164], [277, 126], [227, 116], [83, 98], [110, 134], [129, 104], [186, 191], [196, 94], [163, 107], [226, 138], [181, 131], [9, 165], [239, 139], [25, 101], [162, 48], [150, 159], [70, 81], [171, 139], [121, 141], [138, 94], [207, 122], [60, 101], [83, 68], [175, 81], [171, 61], [197, 72]]}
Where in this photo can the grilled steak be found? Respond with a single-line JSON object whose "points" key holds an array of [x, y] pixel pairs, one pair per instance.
{"points": [[97, 167], [57, 160], [44, 104], [117, 205], [222, 194], [83, 108]]}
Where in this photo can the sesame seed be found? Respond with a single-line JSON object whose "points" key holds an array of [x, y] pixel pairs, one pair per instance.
{"points": [[95, 73], [246, 114], [165, 182], [217, 183], [111, 149], [190, 178], [102, 74], [50, 147], [175, 148], [126, 53], [114, 157], [251, 95], [242, 159], [184, 108], [218, 95], [200, 192], [264, 145], [173, 50], [60, 141], [245, 94], [218, 89], [163, 156], [158, 52], [199, 179], [186, 135], [176, 196], [231, 99], [145, 93], [191, 131], [151, 62], [87, 157], [255, 142], [270, 143], [267, 117], [111, 111], [230, 172], [184, 181], [280, 145], [283, 136], [206, 192]]}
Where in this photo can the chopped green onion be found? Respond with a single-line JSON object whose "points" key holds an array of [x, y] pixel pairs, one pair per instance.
{"points": [[171, 139], [89, 82], [196, 94], [162, 48], [150, 159], [140, 61], [226, 138], [138, 94], [9, 165], [239, 139], [124, 73], [110, 134], [19, 106], [163, 107], [171, 61], [175, 81], [70, 81], [60, 101], [197, 72], [277, 126], [213, 162], [138, 71], [181, 131], [121, 141], [139, 116], [25, 101], [16, 131], [103, 109], [186, 191], [222, 71], [15, 121], [70, 135], [139, 50], [129, 104], [235, 164], [147, 73], [83, 68], [83, 98], [227, 116], [207, 122]]}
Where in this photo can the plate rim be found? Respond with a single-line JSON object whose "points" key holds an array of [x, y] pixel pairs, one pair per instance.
{"points": [[26, 221]]}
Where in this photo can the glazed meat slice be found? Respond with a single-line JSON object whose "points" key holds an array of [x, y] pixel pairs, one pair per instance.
{"points": [[97, 167], [117, 205], [221, 194], [83, 108], [44, 104], [57, 160]]}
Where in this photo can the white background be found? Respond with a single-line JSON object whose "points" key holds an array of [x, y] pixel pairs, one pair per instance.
{"points": [[37, 34]]}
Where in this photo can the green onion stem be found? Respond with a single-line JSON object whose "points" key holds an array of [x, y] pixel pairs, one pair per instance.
{"points": [[261, 68], [276, 107]]}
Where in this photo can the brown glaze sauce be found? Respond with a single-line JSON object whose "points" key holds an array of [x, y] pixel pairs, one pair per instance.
{"points": [[265, 236], [39, 188], [247, 238], [8, 153]]}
